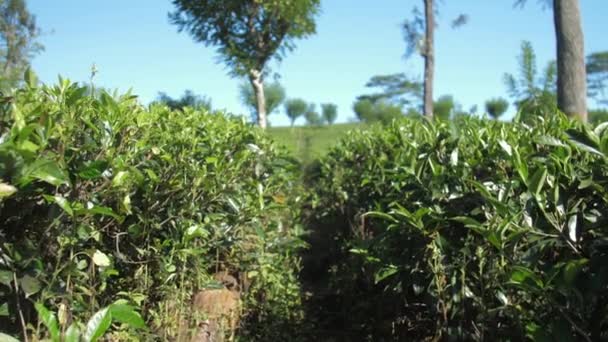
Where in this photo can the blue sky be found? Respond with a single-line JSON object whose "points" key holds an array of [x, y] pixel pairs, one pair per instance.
{"points": [[134, 46]]}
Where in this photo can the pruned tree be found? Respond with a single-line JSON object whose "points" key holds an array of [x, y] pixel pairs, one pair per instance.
{"points": [[188, 99], [18, 33], [329, 112], [274, 97], [295, 108], [496, 107], [419, 33], [444, 107], [570, 52], [312, 117], [380, 111], [248, 33]]}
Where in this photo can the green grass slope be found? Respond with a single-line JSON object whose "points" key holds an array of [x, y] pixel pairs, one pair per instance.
{"points": [[307, 143]]}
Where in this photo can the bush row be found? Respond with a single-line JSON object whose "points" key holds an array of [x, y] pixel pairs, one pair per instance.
{"points": [[103, 200], [466, 230]]}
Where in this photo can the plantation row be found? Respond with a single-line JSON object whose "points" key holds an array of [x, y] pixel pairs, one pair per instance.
{"points": [[120, 212], [467, 230], [113, 216]]}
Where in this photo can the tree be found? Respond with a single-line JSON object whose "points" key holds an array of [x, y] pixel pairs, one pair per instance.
{"points": [[274, 97], [534, 95], [312, 117], [380, 111], [188, 99], [18, 33], [419, 35], [496, 107], [394, 88], [597, 76], [329, 112], [571, 75], [248, 33], [444, 107], [295, 108]]}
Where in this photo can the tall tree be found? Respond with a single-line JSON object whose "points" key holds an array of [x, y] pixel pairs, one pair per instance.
{"points": [[274, 97], [18, 33], [570, 47], [419, 35], [597, 76], [329, 112], [248, 33], [295, 108]]}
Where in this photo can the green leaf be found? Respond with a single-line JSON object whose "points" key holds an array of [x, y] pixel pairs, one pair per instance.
{"points": [[7, 338], [72, 334], [99, 210], [98, 325], [30, 78], [49, 320], [385, 272], [585, 141], [537, 181], [380, 215], [6, 278], [61, 202], [572, 269], [7, 190], [100, 259], [126, 314], [93, 170], [506, 147], [46, 171], [29, 285], [4, 310]]}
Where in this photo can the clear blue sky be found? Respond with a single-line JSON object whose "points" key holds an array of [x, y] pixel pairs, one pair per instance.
{"points": [[134, 46]]}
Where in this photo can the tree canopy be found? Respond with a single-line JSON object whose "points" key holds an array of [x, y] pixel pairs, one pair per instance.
{"points": [[329, 111], [295, 108], [18, 33]]}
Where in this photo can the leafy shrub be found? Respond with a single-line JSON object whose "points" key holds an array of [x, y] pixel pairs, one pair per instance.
{"points": [[470, 230], [103, 200]]}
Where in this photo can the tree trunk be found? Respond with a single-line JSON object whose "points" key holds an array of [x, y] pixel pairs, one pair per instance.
{"points": [[571, 74], [429, 57], [255, 77]]}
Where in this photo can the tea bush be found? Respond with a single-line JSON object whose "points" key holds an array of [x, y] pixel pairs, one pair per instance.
{"points": [[103, 200], [466, 230]]}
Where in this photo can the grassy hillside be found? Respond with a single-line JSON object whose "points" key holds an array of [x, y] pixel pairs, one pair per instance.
{"points": [[306, 142]]}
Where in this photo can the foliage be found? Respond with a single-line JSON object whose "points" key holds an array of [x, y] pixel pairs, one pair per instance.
{"points": [[381, 111], [188, 99], [247, 33], [597, 75], [397, 89], [312, 117], [105, 200], [496, 107], [295, 108], [329, 111], [274, 92], [465, 230], [96, 327], [534, 95], [444, 107], [18, 33], [597, 116]]}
